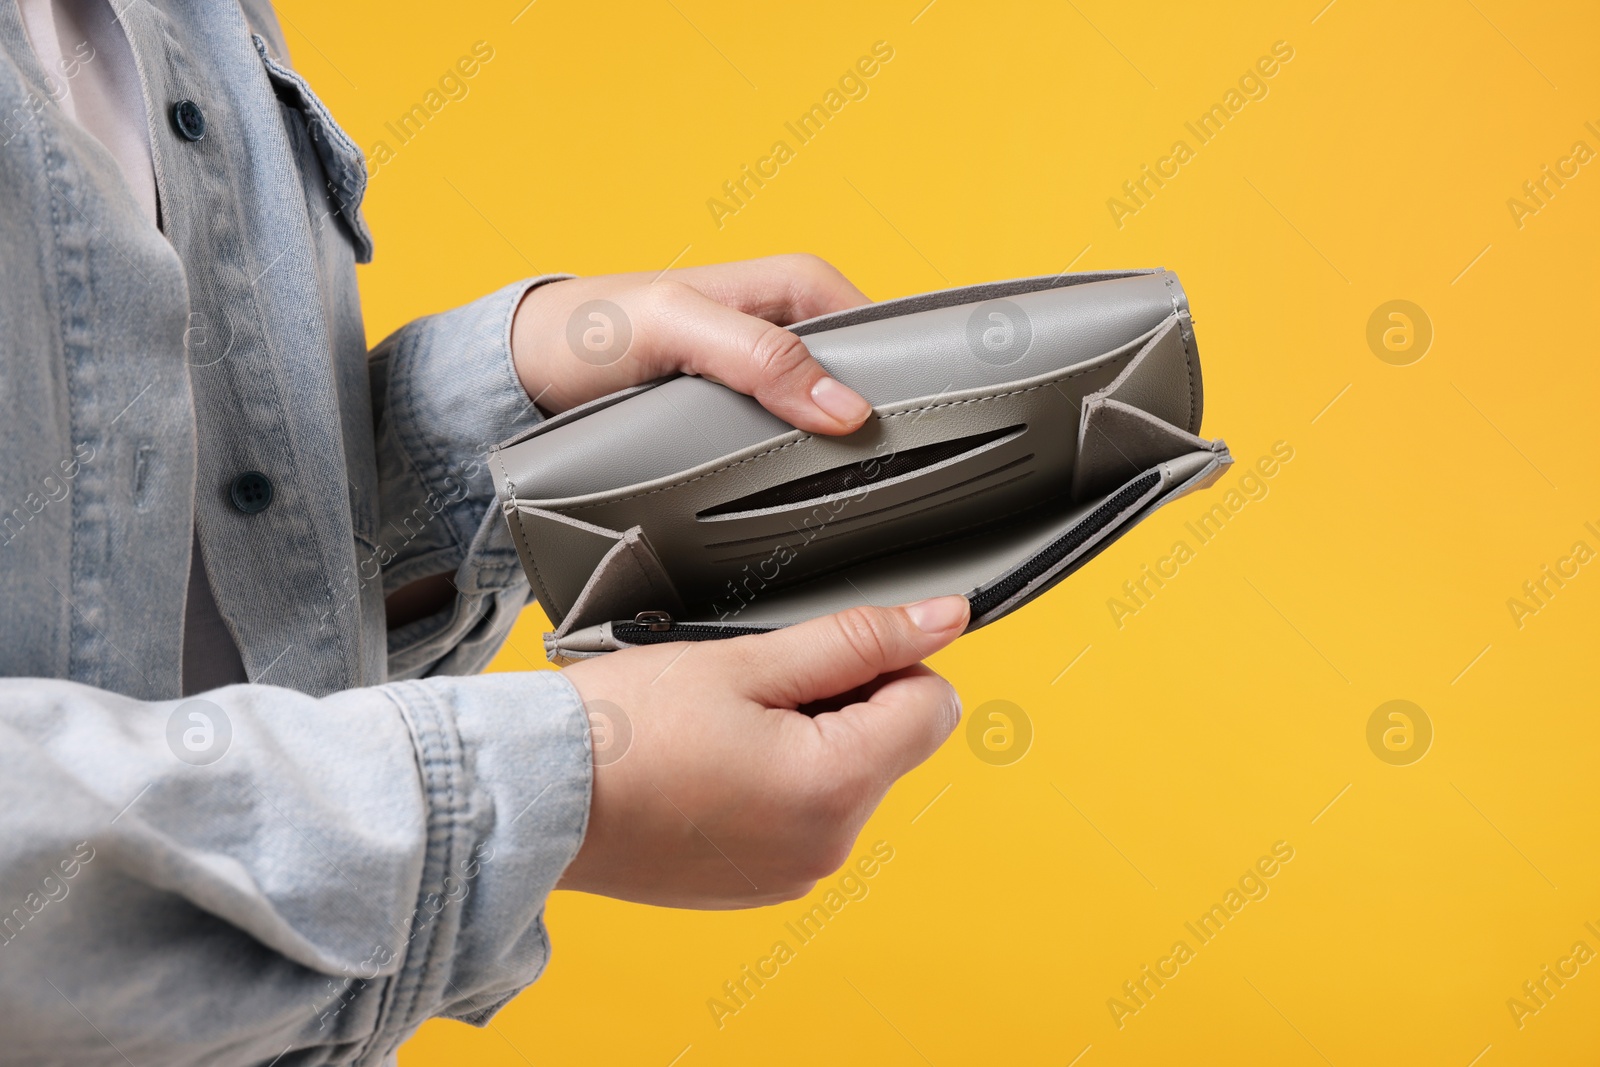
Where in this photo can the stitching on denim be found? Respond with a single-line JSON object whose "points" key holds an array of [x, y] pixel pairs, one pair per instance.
{"points": [[441, 760], [580, 721], [435, 762], [52, 163], [423, 752], [433, 463], [313, 103], [287, 446]]}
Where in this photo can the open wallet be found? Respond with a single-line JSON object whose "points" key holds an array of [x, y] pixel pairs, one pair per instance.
{"points": [[1018, 428]]}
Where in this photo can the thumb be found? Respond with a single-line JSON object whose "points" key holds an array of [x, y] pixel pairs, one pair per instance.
{"points": [[834, 654], [695, 333]]}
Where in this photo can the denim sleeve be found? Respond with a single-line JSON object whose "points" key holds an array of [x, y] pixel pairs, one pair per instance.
{"points": [[257, 876], [444, 391]]}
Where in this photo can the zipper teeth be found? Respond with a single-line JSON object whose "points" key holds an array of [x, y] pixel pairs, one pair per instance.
{"points": [[637, 634], [987, 599]]}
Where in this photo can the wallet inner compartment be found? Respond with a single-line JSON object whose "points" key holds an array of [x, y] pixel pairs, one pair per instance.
{"points": [[929, 472], [955, 492], [992, 567]]}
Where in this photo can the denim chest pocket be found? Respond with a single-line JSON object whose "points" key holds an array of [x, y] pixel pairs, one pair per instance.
{"points": [[342, 162]]}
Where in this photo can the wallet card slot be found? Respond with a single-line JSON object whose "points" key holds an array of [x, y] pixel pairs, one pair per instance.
{"points": [[845, 520], [903, 544], [866, 474]]}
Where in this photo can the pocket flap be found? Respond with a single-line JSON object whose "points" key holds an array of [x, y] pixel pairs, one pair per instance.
{"points": [[342, 161]]}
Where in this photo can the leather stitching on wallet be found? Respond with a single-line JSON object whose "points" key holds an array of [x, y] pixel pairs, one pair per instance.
{"points": [[696, 478], [545, 597], [1052, 383], [1188, 370], [1188, 356]]}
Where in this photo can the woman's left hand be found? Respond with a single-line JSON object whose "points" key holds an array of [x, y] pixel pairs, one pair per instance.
{"points": [[578, 339]]}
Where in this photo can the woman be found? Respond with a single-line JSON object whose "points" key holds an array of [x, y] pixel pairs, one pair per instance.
{"points": [[257, 804]]}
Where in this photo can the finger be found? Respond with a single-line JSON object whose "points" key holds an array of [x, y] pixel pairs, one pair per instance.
{"points": [[692, 332], [781, 289], [903, 723], [823, 657]]}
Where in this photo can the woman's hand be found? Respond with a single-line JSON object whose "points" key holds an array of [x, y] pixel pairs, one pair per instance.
{"points": [[579, 339], [713, 790]]}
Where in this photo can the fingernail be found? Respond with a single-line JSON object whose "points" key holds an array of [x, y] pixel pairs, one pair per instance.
{"points": [[939, 614], [840, 401]]}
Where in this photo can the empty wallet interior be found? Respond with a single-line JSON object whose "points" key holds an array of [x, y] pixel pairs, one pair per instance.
{"points": [[995, 492]]}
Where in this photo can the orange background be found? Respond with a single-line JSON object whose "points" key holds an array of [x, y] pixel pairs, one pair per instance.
{"points": [[1230, 711]]}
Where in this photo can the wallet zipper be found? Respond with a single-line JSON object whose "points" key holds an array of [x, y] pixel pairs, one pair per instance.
{"points": [[986, 600], [657, 627]]}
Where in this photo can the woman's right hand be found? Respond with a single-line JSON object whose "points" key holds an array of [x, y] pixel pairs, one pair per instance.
{"points": [[713, 789]]}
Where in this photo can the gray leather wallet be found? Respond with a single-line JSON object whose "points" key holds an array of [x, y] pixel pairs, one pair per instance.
{"points": [[1018, 428]]}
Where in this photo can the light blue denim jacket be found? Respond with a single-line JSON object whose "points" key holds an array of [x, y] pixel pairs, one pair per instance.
{"points": [[303, 869]]}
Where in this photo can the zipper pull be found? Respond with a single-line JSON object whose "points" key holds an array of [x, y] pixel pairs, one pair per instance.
{"points": [[654, 621]]}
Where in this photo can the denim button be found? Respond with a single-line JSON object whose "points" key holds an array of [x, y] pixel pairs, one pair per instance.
{"points": [[251, 492], [189, 119]]}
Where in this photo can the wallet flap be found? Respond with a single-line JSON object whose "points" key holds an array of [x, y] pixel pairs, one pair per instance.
{"points": [[918, 351], [965, 294]]}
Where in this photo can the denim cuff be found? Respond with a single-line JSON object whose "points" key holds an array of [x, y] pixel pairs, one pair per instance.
{"points": [[446, 391], [507, 775]]}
